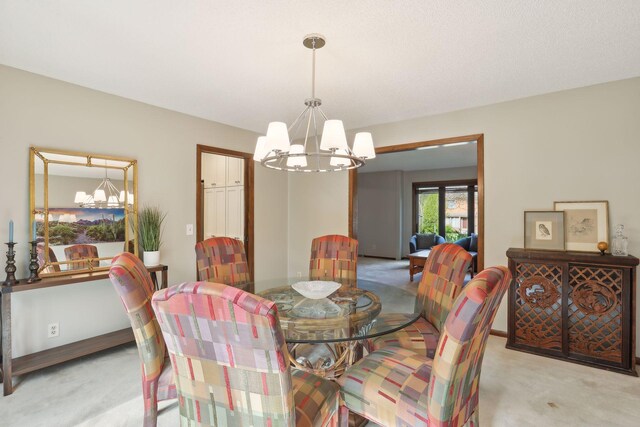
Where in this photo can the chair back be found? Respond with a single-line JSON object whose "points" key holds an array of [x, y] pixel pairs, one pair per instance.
{"points": [[455, 376], [441, 282], [334, 257], [223, 260], [133, 284], [228, 353], [42, 261], [79, 255]]}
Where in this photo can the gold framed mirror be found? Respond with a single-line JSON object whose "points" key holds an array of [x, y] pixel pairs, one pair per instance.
{"points": [[83, 209]]}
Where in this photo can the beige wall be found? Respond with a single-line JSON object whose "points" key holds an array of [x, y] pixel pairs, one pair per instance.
{"points": [[380, 205], [35, 110], [580, 144]]}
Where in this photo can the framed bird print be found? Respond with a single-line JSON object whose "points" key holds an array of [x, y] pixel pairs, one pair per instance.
{"points": [[586, 224], [544, 230]]}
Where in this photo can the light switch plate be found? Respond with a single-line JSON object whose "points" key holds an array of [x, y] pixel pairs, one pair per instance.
{"points": [[189, 229]]}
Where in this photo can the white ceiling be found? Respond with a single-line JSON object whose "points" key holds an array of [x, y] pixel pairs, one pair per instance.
{"points": [[243, 63], [438, 157]]}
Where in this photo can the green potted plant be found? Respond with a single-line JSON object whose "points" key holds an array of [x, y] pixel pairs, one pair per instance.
{"points": [[150, 219]]}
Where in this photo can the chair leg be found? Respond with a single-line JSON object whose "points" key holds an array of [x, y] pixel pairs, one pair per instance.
{"points": [[149, 394], [343, 417]]}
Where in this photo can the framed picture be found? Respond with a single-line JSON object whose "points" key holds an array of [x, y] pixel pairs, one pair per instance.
{"points": [[544, 230], [586, 224]]}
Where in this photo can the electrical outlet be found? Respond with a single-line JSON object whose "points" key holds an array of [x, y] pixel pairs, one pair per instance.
{"points": [[189, 229], [53, 330]]}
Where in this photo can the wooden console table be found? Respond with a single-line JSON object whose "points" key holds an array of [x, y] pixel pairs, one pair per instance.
{"points": [[63, 353], [575, 306]]}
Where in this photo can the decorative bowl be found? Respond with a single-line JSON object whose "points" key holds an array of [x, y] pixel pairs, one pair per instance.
{"points": [[316, 289]]}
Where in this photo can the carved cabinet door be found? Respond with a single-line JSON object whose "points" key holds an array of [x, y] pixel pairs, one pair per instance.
{"points": [[596, 306], [536, 296]]}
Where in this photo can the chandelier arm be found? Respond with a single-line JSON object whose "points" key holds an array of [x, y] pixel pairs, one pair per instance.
{"points": [[323, 114], [315, 129], [297, 120], [312, 114]]}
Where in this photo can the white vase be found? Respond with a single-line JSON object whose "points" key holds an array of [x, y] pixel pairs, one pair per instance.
{"points": [[151, 258]]}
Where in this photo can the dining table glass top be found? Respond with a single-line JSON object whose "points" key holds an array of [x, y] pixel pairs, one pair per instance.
{"points": [[351, 313]]}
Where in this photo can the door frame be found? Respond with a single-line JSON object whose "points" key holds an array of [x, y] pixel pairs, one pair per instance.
{"points": [[478, 138], [249, 242]]}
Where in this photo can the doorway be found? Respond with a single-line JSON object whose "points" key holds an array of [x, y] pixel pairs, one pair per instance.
{"points": [[457, 201], [224, 196]]}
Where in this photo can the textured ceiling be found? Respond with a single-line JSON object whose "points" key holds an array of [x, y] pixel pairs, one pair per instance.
{"points": [[437, 157], [243, 63]]}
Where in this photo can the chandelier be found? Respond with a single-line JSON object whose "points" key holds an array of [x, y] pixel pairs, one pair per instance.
{"points": [[327, 153], [106, 195]]}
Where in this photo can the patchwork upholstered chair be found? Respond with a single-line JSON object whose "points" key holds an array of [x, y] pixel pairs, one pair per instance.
{"points": [[42, 261], [79, 255], [223, 260], [133, 284], [396, 386], [231, 363], [441, 283], [334, 257]]}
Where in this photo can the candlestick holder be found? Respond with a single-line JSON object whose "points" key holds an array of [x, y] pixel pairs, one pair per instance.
{"points": [[33, 264], [10, 269]]}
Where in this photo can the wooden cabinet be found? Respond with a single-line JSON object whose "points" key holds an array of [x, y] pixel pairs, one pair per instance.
{"points": [[235, 171], [215, 216], [574, 306], [235, 212], [214, 170]]}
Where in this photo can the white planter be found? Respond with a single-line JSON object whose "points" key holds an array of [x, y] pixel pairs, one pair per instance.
{"points": [[151, 259]]}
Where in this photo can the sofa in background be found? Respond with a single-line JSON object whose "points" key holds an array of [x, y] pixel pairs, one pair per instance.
{"points": [[420, 241], [470, 244]]}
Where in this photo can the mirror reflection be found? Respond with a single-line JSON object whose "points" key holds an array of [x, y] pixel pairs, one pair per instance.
{"points": [[83, 208]]}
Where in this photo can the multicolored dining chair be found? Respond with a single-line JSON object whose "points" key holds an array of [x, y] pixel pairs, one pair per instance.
{"points": [[334, 257], [441, 283], [133, 284], [52, 268], [80, 256], [231, 363], [396, 386], [223, 260]]}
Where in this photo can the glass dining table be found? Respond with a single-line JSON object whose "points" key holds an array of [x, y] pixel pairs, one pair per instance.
{"points": [[340, 323]]}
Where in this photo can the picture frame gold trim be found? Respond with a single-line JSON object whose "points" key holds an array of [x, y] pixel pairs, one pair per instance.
{"points": [[75, 158]]}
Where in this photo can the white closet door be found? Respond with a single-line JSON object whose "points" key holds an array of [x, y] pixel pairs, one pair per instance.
{"points": [[214, 212], [235, 212], [214, 170], [235, 171]]}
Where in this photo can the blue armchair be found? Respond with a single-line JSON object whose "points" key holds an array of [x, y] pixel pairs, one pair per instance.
{"points": [[419, 241], [470, 244]]}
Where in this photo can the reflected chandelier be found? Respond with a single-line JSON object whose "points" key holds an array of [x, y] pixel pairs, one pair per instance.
{"points": [[106, 195], [331, 153]]}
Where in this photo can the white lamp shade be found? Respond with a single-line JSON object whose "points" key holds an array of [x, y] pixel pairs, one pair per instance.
{"points": [[363, 146], [299, 161], [130, 198], [261, 146], [63, 218], [112, 202], [340, 161], [50, 217], [122, 196], [277, 137], [333, 136], [80, 197], [99, 196], [72, 218]]}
